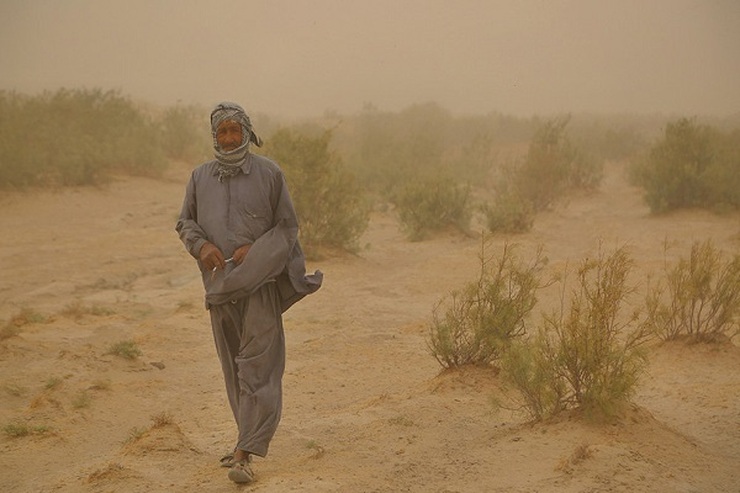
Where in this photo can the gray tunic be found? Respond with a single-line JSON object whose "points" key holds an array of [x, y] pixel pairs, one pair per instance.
{"points": [[252, 207]]}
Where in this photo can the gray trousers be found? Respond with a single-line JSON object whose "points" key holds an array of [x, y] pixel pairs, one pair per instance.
{"points": [[250, 343]]}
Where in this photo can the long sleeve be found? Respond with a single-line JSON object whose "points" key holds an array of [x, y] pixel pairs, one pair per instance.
{"points": [[191, 234], [274, 256], [253, 207]]}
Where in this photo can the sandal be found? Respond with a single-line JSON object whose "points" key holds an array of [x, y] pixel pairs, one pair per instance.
{"points": [[227, 460], [241, 472]]}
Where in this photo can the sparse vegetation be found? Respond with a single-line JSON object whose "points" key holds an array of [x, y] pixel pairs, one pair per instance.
{"points": [[478, 323], [162, 419], [53, 383], [125, 349], [18, 430], [329, 202], [432, 204], [553, 166], [510, 212], [24, 317], [105, 473], [135, 434], [184, 133], [588, 355], [78, 310], [699, 299], [80, 137], [693, 165]]}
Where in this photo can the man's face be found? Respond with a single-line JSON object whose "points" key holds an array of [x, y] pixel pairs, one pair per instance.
{"points": [[229, 135]]}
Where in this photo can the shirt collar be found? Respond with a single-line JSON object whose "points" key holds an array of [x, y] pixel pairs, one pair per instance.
{"points": [[246, 166]]}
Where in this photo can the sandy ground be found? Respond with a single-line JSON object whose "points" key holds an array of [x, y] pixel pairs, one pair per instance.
{"points": [[366, 406]]}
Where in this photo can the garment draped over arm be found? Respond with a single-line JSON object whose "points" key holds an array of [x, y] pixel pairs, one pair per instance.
{"points": [[255, 209]]}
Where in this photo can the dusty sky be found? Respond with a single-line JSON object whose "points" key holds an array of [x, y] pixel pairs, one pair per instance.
{"points": [[303, 57]]}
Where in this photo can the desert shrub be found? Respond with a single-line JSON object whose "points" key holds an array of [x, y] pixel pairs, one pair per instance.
{"points": [[24, 317], [530, 366], [389, 148], [554, 166], [183, 133], [700, 298], [510, 211], [614, 138], [329, 201], [476, 324], [432, 204], [125, 349], [18, 429], [587, 354], [693, 165], [162, 419], [74, 137]]}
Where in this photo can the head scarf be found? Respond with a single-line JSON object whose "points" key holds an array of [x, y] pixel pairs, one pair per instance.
{"points": [[229, 162]]}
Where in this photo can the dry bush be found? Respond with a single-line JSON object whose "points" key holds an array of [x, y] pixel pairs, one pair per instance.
{"points": [[329, 201], [554, 166], [510, 212], [18, 430], [431, 204], [77, 310], [74, 137], [693, 165], [700, 299], [587, 355], [125, 349], [478, 322], [162, 419], [25, 316]]}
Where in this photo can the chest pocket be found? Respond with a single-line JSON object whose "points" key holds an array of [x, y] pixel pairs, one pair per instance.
{"points": [[254, 217]]}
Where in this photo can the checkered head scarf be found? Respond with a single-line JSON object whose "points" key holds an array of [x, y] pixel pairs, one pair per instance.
{"points": [[230, 161]]}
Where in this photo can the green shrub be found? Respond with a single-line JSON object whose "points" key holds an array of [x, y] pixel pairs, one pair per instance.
{"points": [[587, 355], [74, 137], [18, 430], [531, 367], [510, 211], [24, 317], [330, 203], [700, 299], [477, 323], [184, 134], [125, 349], [431, 204], [692, 166], [554, 166]]}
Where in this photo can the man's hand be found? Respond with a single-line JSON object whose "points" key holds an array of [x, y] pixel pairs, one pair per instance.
{"points": [[240, 253], [211, 257]]}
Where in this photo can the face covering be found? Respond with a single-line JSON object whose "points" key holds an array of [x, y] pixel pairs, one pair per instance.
{"points": [[229, 162]]}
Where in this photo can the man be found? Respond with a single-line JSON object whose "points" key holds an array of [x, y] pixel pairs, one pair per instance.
{"points": [[238, 221]]}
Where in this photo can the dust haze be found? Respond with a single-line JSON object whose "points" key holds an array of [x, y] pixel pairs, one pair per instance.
{"points": [[305, 58]]}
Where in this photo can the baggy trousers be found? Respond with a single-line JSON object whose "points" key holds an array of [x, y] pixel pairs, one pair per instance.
{"points": [[250, 343]]}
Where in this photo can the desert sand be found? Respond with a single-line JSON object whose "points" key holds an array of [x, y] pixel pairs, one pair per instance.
{"points": [[366, 407]]}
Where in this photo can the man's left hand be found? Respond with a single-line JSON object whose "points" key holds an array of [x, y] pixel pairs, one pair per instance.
{"points": [[240, 253]]}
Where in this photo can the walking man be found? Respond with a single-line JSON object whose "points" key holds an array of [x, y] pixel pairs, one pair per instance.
{"points": [[239, 223]]}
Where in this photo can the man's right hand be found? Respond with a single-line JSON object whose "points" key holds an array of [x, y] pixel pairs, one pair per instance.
{"points": [[211, 257]]}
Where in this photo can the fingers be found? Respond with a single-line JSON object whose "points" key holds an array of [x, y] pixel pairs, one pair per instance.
{"points": [[241, 253], [211, 257]]}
